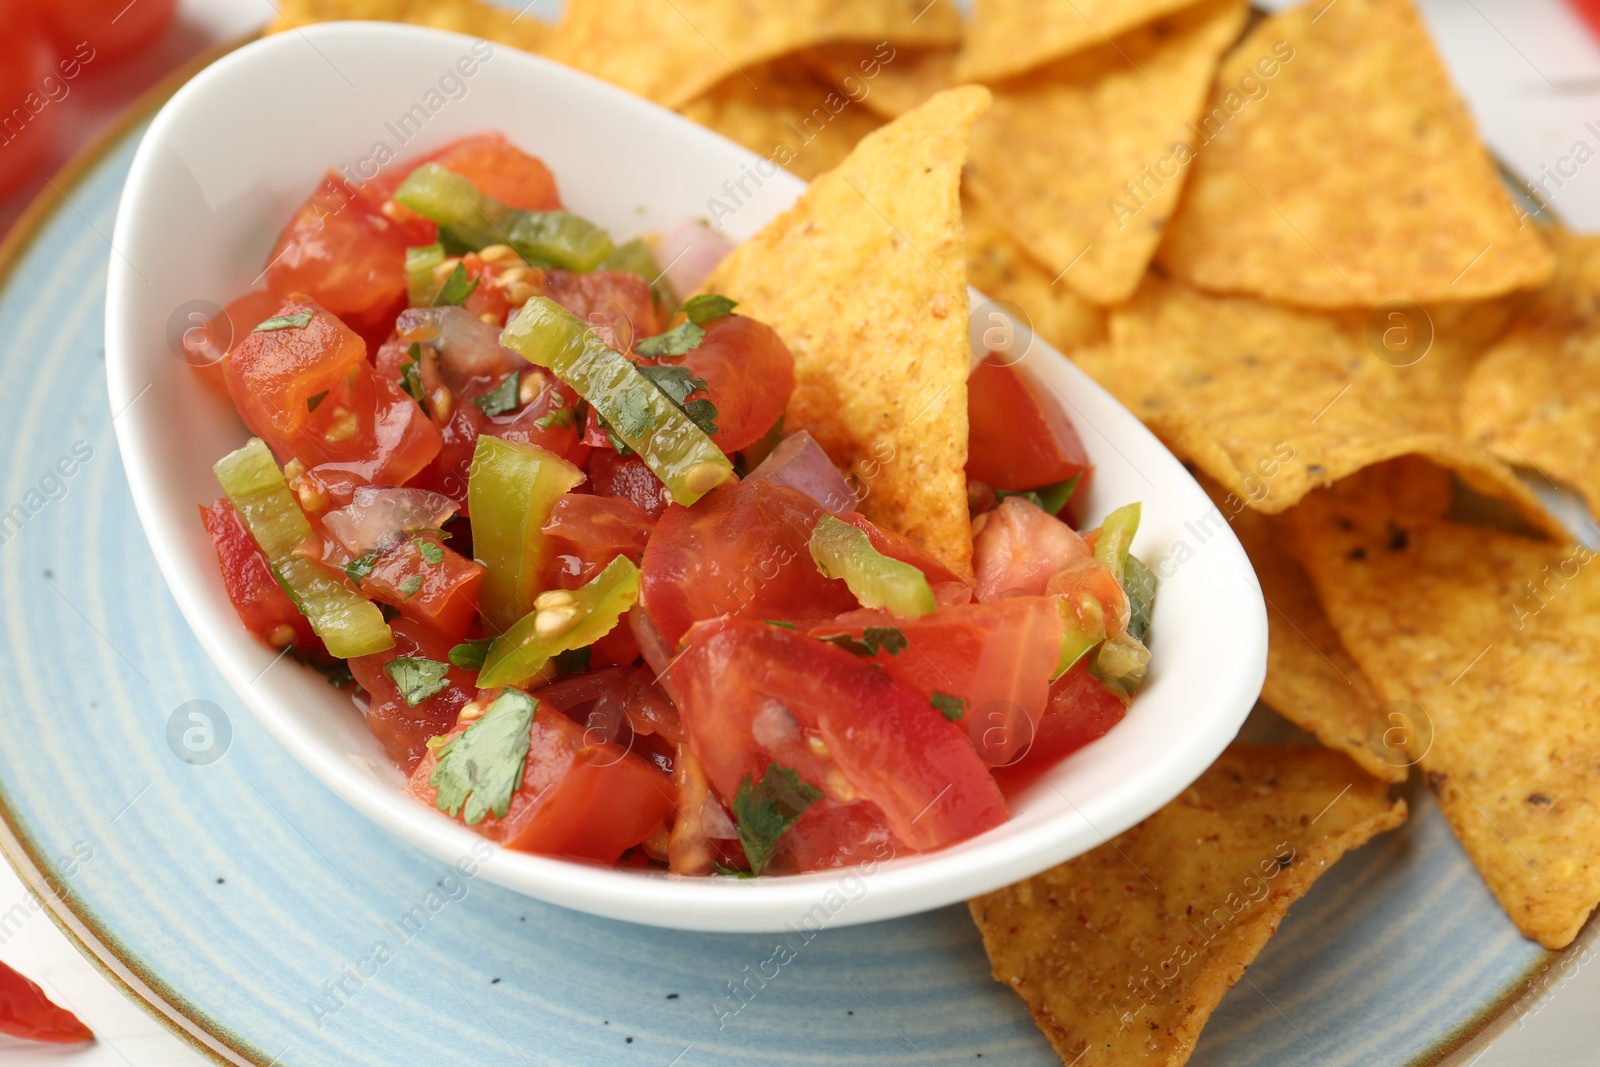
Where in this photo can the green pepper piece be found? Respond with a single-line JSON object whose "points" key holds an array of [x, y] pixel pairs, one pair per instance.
{"points": [[639, 414], [511, 488], [562, 620], [1140, 585], [878, 581], [476, 221], [1116, 538], [348, 623], [421, 261]]}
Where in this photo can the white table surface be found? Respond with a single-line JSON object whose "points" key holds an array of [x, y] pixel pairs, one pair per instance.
{"points": [[1529, 70]]}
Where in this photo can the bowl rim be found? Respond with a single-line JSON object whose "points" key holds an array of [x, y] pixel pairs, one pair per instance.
{"points": [[900, 886]]}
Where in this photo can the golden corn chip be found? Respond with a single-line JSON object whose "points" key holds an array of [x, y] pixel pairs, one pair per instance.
{"points": [[1123, 953], [475, 17], [865, 280], [671, 52], [1534, 400], [1340, 169], [1083, 160], [1008, 37], [889, 80], [795, 119], [1273, 401], [1494, 642], [1000, 269]]}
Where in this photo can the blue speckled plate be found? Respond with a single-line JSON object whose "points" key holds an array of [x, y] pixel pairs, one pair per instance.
{"points": [[271, 924]]}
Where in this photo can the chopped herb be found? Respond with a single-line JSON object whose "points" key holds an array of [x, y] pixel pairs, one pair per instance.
{"points": [[635, 418], [681, 339], [283, 322], [1050, 498], [469, 655], [572, 661], [430, 551], [872, 640], [456, 289], [336, 671], [731, 871], [766, 810], [952, 708], [780, 622], [411, 373], [679, 384], [360, 567], [502, 398], [562, 416], [313, 402], [480, 768], [417, 677], [707, 306], [389, 612], [411, 587], [1139, 582]]}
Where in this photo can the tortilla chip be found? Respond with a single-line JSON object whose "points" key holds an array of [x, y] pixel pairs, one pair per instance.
{"points": [[671, 52], [1062, 156], [865, 280], [1349, 176], [1534, 400], [1497, 639], [1273, 401], [1195, 890], [1008, 37], [474, 17], [890, 81], [795, 119], [1000, 269]]}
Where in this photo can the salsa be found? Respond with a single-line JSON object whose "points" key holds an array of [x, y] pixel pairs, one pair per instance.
{"points": [[541, 517]]}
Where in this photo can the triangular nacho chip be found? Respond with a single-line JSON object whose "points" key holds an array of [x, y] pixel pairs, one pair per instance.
{"points": [[1123, 953], [671, 51], [1496, 638], [890, 82], [1008, 37], [1001, 269], [865, 279], [1263, 395], [1534, 400], [475, 17], [1083, 160], [796, 119], [1349, 177]]}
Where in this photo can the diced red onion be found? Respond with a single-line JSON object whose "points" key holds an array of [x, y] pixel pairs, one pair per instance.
{"points": [[800, 463], [468, 347], [379, 516], [688, 253]]}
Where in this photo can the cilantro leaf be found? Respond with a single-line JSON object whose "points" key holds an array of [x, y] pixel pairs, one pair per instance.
{"points": [[561, 416], [572, 661], [480, 768], [430, 551], [768, 809], [418, 678], [469, 655], [411, 587], [1049, 498], [952, 708], [456, 289], [873, 639], [782, 624], [503, 398], [681, 339], [679, 384], [360, 567], [850, 643], [411, 373], [314, 402], [707, 306], [283, 322], [635, 420]]}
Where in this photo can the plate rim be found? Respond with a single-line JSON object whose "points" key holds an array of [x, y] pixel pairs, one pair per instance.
{"points": [[96, 942]]}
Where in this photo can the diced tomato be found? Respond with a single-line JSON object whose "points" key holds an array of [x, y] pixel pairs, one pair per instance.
{"points": [[589, 532], [442, 596], [628, 478], [831, 834], [27, 1013], [1081, 709], [497, 168], [404, 730], [1018, 548], [751, 693], [347, 255], [310, 393], [619, 302], [29, 117], [579, 799], [1019, 437], [703, 834], [206, 345], [263, 606], [742, 550], [997, 657], [749, 374], [105, 31]]}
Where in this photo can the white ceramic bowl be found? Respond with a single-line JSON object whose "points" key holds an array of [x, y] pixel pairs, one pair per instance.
{"points": [[242, 144]]}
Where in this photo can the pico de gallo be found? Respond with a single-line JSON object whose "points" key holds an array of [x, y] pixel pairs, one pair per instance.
{"points": [[542, 519]]}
